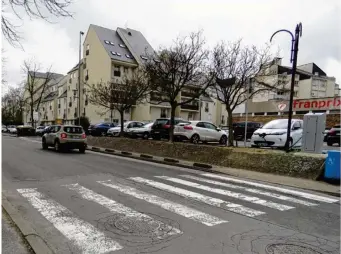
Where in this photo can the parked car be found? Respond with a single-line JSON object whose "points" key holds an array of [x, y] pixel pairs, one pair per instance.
{"points": [[12, 129], [140, 132], [65, 137], [197, 131], [25, 130], [115, 131], [100, 129], [274, 134], [325, 134], [4, 128], [239, 129], [160, 128], [333, 136], [40, 130]]}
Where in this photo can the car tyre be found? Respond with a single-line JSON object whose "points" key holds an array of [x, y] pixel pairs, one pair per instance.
{"points": [[330, 143], [223, 140], [156, 137], [82, 150], [195, 139], [57, 146], [44, 145], [146, 135]]}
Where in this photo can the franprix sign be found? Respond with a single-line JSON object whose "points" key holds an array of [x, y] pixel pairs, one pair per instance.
{"points": [[313, 104]]}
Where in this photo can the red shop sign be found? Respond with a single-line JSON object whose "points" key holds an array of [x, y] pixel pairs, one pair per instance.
{"points": [[326, 103]]}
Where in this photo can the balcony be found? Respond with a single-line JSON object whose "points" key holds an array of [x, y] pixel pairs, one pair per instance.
{"points": [[190, 107], [190, 94]]}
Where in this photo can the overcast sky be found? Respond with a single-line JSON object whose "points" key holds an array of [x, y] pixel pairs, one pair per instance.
{"points": [[56, 44]]}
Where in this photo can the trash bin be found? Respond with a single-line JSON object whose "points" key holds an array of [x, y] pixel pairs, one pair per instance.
{"points": [[332, 168]]}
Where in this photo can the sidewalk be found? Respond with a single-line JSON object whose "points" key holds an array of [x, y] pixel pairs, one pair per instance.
{"points": [[12, 241], [307, 184]]}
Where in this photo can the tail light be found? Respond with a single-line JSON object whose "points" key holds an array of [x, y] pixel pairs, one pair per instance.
{"points": [[166, 126], [331, 132], [188, 127], [63, 135], [83, 136]]}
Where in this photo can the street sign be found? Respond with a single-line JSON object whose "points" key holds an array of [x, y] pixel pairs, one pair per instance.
{"points": [[35, 116], [282, 106]]}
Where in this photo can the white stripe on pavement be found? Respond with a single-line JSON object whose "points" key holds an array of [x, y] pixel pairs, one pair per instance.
{"points": [[182, 210], [162, 230], [275, 188], [256, 191], [200, 197], [237, 195], [84, 235]]}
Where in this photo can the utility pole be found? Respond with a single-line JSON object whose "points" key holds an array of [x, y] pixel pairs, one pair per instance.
{"points": [[79, 77], [246, 110], [293, 59]]}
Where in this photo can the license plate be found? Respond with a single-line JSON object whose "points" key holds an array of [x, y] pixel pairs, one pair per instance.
{"points": [[262, 144], [75, 137]]}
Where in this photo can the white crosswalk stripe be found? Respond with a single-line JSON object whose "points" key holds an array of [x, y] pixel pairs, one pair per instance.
{"points": [[161, 231], [275, 188], [256, 191], [232, 207], [236, 195], [82, 234], [182, 210]]}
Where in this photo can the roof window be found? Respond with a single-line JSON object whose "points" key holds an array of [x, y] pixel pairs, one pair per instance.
{"points": [[106, 42], [118, 54], [113, 53], [144, 57], [122, 45], [111, 43], [128, 56]]}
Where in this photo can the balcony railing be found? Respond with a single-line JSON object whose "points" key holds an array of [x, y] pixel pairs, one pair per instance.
{"points": [[190, 106], [190, 94], [278, 97]]}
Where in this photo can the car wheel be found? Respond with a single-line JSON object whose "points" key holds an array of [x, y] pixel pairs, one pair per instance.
{"points": [[146, 135], [156, 137], [223, 140], [82, 150], [330, 143], [44, 145], [195, 139], [57, 146]]}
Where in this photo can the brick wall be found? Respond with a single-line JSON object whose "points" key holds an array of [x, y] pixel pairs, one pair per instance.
{"points": [[332, 119]]}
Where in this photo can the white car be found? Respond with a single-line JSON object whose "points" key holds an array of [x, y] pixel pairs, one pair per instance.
{"points": [[142, 132], [4, 128], [12, 129], [115, 131], [274, 134], [197, 131]]}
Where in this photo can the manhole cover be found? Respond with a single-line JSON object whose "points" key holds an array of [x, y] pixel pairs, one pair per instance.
{"points": [[282, 248], [141, 226]]}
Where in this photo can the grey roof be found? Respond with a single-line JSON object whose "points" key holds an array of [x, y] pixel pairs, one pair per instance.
{"points": [[55, 81], [75, 67], [44, 74], [50, 96], [105, 34], [63, 95]]}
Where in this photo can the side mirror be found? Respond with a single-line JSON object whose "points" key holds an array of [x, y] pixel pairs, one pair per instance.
{"points": [[218, 129], [295, 128]]}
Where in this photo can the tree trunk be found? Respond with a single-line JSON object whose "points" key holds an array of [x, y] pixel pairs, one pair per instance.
{"points": [[32, 121], [111, 115], [172, 122], [230, 124], [122, 122]]}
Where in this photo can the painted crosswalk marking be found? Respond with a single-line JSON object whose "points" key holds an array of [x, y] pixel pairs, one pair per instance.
{"points": [[256, 191], [182, 210], [275, 188], [161, 231], [82, 234], [232, 207], [236, 195]]}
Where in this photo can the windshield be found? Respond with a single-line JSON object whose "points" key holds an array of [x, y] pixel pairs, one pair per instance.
{"points": [[148, 125], [276, 124]]}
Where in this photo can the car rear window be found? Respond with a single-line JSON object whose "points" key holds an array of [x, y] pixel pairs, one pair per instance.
{"points": [[77, 130], [161, 121]]}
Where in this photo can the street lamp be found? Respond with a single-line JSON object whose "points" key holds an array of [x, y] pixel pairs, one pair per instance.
{"points": [[293, 60], [79, 77]]}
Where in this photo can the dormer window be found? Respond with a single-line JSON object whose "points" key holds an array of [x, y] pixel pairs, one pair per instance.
{"points": [[106, 42], [122, 45], [113, 53], [144, 57]]}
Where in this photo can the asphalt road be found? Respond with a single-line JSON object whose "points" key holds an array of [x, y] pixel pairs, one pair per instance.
{"points": [[94, 203]]}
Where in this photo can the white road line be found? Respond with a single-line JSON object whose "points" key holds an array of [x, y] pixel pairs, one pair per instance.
{"points": [[182, 210], [256, 191], [275, 188], [241, 196], [236, 208], [161, 231], [82, 234]]}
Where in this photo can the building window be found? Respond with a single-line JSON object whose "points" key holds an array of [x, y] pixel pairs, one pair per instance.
{"points": [[125, 70], [163, 113], [87, 52], [117, 71], [206, 107], [222, 119]]}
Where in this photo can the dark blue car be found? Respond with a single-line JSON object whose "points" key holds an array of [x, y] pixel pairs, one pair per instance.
{"points": [[100, 129]]}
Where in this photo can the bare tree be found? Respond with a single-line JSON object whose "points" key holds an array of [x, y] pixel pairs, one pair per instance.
{"points": [[182, 66], [35, 86], [120, 96], [34, 9], [13, 105], [3, 62], [240, 70]]}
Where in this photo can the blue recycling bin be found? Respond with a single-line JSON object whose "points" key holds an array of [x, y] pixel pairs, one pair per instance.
{"points": [[332, 168]]}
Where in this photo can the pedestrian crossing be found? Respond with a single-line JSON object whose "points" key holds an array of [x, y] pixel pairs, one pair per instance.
{"points": [[230, 195]]}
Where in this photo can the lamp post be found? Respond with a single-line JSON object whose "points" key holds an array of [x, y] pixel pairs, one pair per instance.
{"points": [[79, 77], [293, 59]]}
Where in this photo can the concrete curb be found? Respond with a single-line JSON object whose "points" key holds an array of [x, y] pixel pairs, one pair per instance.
{"points": [[196, 166], [37, 244]]}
